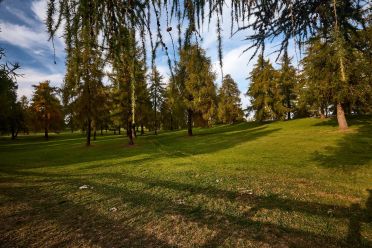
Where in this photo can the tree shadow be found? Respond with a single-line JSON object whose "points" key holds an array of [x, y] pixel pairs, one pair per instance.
{"points": [[352, 151], [92, 225], [65, 152]]}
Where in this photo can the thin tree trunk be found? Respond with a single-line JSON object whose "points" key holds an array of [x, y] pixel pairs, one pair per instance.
{"points": [[119, 130], [88, 131], [341, 119], [130, 134], [101, 131], [13, 133], [171, 122], [321, 113], [142, 131], [134, 133], [46, 136], [189, 122]]}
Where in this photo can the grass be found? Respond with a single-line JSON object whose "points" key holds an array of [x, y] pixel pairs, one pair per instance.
{"points": [[298, 183]]}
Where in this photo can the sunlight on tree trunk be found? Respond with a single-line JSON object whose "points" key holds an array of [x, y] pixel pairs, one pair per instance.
{"points": [[88, 131], [189, 122], [342, 123]]}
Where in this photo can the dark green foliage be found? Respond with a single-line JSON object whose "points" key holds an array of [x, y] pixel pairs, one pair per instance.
{"points": [[287, 84], [11, 115]]}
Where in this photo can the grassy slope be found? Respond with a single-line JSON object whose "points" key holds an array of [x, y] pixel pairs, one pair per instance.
{"points": [[296, 183]]}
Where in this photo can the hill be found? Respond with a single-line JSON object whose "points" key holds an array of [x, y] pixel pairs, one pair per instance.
{"points": [[297, 183]]}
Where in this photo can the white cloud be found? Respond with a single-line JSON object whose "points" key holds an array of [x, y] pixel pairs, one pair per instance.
{"points": [[23, 36], [39, 8], [32, 77]]}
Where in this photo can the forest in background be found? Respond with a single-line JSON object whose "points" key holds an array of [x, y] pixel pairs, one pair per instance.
{"points": [[333, 78]]}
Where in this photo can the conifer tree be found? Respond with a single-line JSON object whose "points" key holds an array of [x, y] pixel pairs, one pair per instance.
{"points": [[229, 105], [195, 79], [46, 108], [287, 84], [173, 109], [157, 90], [263, 90]]}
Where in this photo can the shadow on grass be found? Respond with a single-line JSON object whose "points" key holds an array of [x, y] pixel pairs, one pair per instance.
{"points": [[70, 151], [352, 151], [99, 229]]}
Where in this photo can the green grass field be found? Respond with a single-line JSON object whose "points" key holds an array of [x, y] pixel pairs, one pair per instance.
{"points": [[298, 183]]}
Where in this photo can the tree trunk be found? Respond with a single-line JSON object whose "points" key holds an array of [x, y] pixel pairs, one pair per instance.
{"points": [[321, 113], [171, 122], [119, 130], [189, 122], [46, 133], [341, 119], [156, 121], [46, 127], [88, 131], [13, 133], [142, 131], [101, 131], [130, 134], [134, 133], [342, 123]]}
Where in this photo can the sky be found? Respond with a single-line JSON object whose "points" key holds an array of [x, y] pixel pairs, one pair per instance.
{"points": [[25, 40]]}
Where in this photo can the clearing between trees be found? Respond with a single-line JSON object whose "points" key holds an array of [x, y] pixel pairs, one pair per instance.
{"points": [[295, 183]]}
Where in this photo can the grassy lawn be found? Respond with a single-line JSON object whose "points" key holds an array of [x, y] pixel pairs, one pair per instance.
{"points": [[298, 183]]}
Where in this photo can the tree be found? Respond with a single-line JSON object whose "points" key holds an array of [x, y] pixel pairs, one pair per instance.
{"points": [[229, 105], [194, 78], [323, 86], [287, 83], [263, 90], [173, 109], [11, 115], [46, 108], [156, 93], [303, 20]]}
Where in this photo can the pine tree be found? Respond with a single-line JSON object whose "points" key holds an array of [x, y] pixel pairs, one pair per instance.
{"points": [[320, 73], [229, 105], [173, 109], [287, 84], [194, 78], [157, 90], [263, 90]]}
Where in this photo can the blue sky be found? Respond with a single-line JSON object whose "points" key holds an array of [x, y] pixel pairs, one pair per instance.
{"points": [[24, 37]]}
